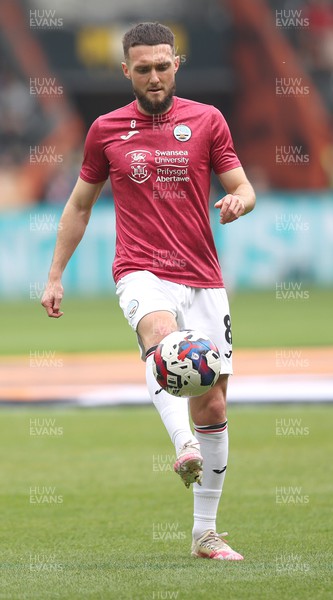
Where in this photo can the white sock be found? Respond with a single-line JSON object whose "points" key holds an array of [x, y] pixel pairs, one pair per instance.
{"points": [[213, 441], [173, 410]]}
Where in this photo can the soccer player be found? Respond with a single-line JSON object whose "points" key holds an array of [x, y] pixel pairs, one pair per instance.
{"points": [[159, 151]]}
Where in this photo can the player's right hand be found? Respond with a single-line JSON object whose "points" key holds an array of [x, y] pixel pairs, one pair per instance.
{"points": [[52, 298]]}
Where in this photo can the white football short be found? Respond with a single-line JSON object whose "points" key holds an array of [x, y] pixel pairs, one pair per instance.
{"points": [[205, 309]]}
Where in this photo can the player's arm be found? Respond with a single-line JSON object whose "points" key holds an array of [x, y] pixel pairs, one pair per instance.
{"points": [[240, 198], [73, 223]]}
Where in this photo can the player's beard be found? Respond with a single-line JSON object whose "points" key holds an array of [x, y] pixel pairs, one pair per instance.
{"points": [[157, 107]]}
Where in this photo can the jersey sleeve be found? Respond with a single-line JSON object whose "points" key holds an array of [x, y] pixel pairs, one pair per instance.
{"points": [[95, 166], [222, 152]]}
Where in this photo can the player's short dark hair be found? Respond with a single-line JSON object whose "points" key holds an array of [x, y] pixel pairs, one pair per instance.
{"points": [[147, 34]]}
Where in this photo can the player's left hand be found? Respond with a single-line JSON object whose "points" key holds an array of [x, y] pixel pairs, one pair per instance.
{"points": [[231, 207]]}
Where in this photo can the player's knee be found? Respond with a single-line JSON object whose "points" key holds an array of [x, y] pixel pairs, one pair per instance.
{"points": [[211, 407], [216, 408]]}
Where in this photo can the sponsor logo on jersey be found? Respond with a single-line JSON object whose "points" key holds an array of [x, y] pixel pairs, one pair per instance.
{"points": [[139, 165], [182, 133], [129, 135]]}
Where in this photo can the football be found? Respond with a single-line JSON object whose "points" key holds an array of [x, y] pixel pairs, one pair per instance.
{"points": [[186, 363]]}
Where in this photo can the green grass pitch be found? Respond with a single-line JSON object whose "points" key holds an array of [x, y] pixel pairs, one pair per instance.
{"points": [[110, 520], [97, 324]]}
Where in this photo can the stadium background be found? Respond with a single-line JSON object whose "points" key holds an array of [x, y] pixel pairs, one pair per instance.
{"points": [[268, 66]]}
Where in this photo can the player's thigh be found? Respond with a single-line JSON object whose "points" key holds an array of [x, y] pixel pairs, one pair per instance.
{"points": [[153, 327], [148, 306], [209, 312]]}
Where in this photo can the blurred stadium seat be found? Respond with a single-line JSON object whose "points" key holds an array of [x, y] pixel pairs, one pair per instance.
{"points": [[36, 112]]}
